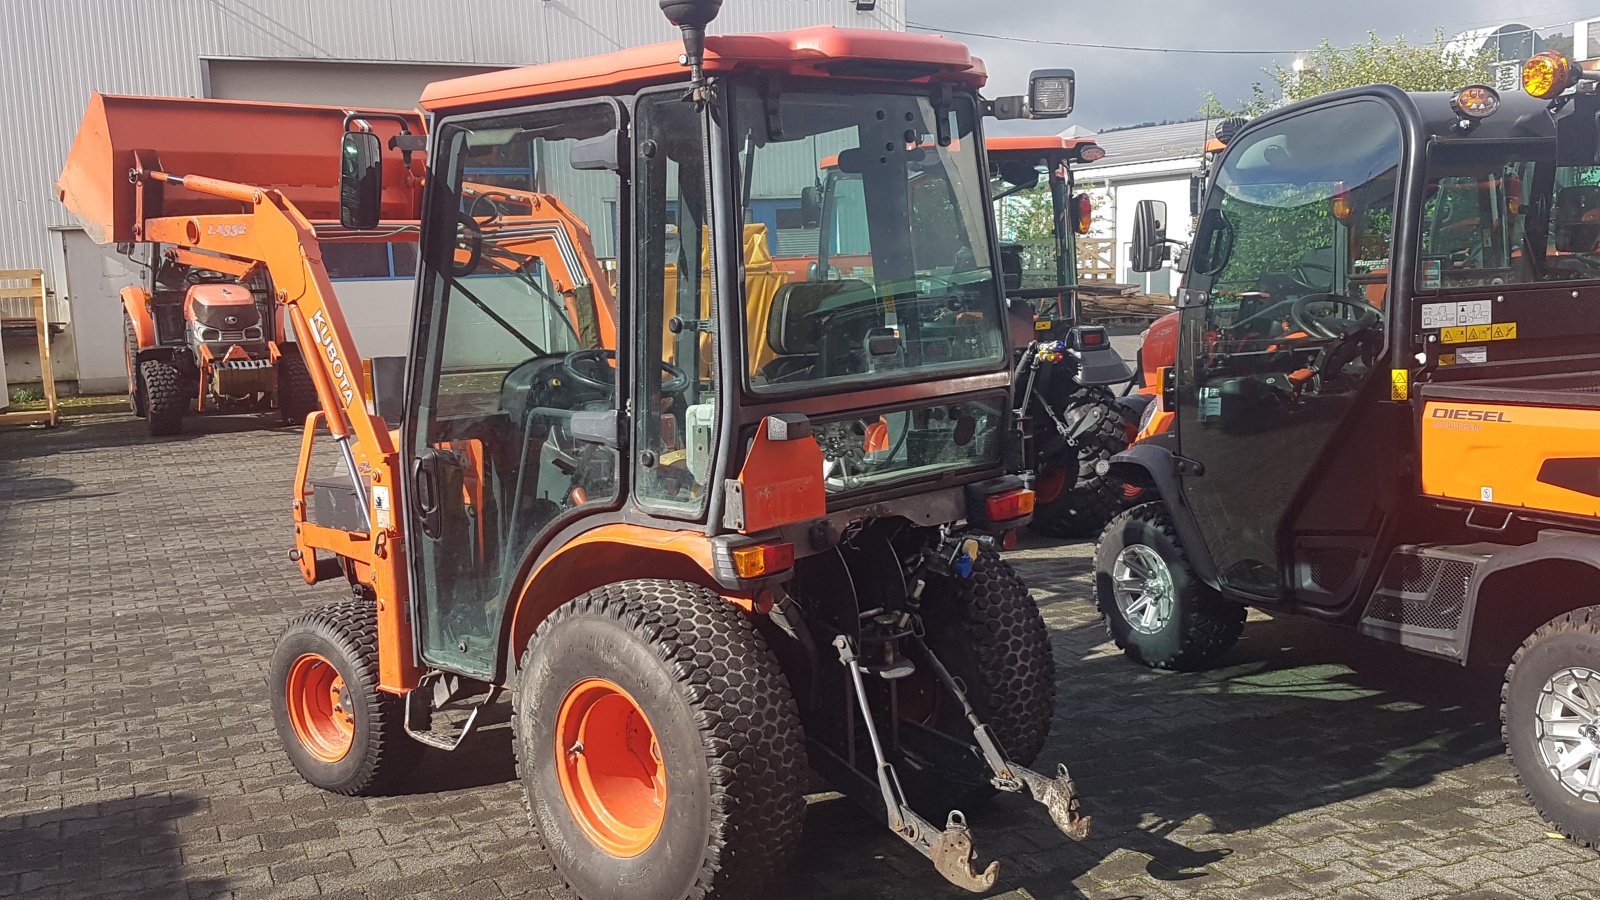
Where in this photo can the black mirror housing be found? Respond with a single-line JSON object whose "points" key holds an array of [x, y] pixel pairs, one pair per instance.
{"points": [[1149, 249], [811, 206], [1011, 266], [360, 180]]}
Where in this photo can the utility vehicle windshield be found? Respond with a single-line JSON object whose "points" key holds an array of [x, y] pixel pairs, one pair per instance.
{"points": [[1497, 214], [867, 251]]}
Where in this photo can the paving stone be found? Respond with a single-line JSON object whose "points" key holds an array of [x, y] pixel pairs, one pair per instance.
{"points": [[1311, 764]]}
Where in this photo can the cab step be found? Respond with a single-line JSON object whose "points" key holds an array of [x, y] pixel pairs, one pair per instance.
{"points": [[1421, 598]]}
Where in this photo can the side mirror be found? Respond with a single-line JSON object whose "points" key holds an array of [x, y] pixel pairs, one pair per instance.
{"points": [[1197, 194], [811, 206], [1011, 266], [360, 179], [1149, 236], [597, 154]]}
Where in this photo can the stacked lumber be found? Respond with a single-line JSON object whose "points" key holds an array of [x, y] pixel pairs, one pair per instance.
{"points": [[1100, 307]]}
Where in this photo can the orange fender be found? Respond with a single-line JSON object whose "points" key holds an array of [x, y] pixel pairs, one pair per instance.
{"points": [[136, 303]]}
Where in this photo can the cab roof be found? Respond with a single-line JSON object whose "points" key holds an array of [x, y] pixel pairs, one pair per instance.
{"points": [[1045, 143], [818, 52]]}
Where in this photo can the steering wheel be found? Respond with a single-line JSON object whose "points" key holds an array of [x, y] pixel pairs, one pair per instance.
{"points": [[574, 364], [1317, 327]]}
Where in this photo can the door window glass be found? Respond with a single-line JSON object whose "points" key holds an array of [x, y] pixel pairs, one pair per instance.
{"points": [[519, 366]]}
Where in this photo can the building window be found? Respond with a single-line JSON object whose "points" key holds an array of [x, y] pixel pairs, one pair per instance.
{"points": [[370, 260]]}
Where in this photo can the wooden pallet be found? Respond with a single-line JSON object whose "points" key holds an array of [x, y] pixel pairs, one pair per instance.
{"points": [[33, 289]]}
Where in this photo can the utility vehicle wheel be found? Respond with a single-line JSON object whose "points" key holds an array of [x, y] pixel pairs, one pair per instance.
{"points": [[1156, 609], [297, 393], [135, 383], [342, 734], [164, 397], [1075, 499], [988, 632], [658, 744], [1550, 719]]}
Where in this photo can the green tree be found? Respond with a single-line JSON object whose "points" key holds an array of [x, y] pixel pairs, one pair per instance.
{"points": [[1425, 67]]}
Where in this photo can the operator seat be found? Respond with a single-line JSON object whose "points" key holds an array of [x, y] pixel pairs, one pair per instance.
{"points": [[794, 330], [1577, 218]]}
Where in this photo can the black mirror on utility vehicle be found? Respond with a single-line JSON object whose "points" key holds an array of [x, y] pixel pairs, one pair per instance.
{"points": [[360, 179], [811, 206], [1011, 266], [1149, 236]]}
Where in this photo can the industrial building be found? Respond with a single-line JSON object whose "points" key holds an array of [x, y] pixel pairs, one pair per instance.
{"points": [[345, 53]]}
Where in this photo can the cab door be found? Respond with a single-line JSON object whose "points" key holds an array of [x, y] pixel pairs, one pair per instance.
{"points": [[1283, 347], [514, 387]]}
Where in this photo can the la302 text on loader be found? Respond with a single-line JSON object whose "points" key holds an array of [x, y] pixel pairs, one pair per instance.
{"points": [[1385, 403], [696, 575]]}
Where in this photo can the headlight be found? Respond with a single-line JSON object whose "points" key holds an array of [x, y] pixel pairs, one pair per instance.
{"points": [[1149, 414]]}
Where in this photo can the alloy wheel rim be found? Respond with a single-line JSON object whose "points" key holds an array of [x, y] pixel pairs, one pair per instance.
{"points": [[1567, 719], [1142, 585]]}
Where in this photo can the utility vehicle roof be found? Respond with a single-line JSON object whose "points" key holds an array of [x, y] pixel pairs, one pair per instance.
{"points": [[817, 52], [1035, 142]]}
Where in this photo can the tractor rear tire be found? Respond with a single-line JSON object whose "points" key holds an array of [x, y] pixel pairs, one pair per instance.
{"points": [[136, 402], [696, 789], [1173, 620], [342, 733], [988, 632], [297, 393], [1550, 716], [1088, 499], [165, 400]]}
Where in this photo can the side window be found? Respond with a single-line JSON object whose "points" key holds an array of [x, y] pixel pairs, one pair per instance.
{"points": [[677, 398], [519, 359]]}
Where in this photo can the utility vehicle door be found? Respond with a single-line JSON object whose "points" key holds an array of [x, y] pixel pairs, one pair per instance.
{"points": [[514, 386], [1282, 330]]}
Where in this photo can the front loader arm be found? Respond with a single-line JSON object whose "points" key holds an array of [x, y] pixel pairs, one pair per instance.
{"points": [[274, 233]]}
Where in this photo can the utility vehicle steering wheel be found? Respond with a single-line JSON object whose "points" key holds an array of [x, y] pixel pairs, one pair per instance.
{"points": [[574, 364], [1300, 315]]}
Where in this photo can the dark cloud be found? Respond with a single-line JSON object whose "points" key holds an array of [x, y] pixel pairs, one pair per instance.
{"points": [[1122, 88]]}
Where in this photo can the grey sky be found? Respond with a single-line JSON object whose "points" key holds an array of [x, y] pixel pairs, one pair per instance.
{"points": [[1122, 88]]}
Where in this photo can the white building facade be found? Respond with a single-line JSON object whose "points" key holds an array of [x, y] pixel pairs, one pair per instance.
{"points": [[373, 53]]}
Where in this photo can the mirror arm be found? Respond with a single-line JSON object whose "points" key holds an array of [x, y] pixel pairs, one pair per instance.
{"points": [[410, 143]]}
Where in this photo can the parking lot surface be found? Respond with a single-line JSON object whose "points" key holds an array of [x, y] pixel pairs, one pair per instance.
{"points": [[143, 581]]}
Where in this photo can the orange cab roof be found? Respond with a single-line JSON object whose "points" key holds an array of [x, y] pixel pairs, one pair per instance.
{"points": [[820, 51], [1034, 142]]}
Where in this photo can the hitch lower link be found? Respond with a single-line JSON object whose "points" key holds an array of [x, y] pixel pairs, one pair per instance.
{"points": [[950, 849]]}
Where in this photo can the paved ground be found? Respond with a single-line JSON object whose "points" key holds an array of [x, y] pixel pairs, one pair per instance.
{"points": [[142, 583]]}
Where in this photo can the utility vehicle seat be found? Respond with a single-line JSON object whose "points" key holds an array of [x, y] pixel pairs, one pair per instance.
{"points": [[1577, 218]]}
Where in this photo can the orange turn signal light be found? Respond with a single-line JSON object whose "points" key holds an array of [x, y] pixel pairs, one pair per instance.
{"points": [[1009, 505], [760, 560], [1546, 74]]}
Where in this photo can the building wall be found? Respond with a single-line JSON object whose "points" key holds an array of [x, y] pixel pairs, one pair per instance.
{"points": [[362, 52]]}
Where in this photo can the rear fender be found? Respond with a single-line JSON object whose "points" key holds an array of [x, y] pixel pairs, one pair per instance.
{"points": [[1520, 588], [1155, 468]]}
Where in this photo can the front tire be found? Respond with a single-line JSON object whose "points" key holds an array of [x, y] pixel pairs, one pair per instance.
{"points": [[342, 734], [165, 401], [136, 402], [1154, 606], [297, 393], [1550, 721], [658, 744]]}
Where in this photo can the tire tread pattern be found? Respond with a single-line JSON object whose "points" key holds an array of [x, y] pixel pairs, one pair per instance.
{"points": [[1092, 498], [297, 393], [1210, 627], [164, 398], [749, 723], [1011, 646]]}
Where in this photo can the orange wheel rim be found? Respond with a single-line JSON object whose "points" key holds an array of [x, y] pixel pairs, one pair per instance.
{"points": [[320, 708], [1050, 484], [609, 764]]}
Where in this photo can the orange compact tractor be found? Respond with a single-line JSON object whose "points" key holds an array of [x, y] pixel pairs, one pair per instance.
{"points": [[710, 521], [202, 333], [1385, 400], [1064, 369]]}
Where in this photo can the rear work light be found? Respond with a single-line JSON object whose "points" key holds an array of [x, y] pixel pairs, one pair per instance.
{"points": [[761, 560], [1477, 101], [1009, 505]]}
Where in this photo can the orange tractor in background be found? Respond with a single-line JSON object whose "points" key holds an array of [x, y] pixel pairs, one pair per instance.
{"points": [[709, 528]]}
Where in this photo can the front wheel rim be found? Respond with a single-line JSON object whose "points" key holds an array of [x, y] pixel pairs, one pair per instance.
{"points": [[1142, 586], [1567, 730], [320, 708], [609, 764]]}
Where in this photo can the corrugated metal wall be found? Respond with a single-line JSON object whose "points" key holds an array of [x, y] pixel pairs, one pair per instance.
{"points": [[57, 51]]}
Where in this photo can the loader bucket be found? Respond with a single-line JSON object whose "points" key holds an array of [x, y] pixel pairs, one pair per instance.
{"points": [[286, 147]]}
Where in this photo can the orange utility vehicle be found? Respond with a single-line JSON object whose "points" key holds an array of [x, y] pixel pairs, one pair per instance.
{"points": [[1385, 398], [698, 564], [1064, 369]]}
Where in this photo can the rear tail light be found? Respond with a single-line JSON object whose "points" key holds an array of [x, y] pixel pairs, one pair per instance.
{"points": [[1089, 337], [761, 560], [1009, 505], [1082, 213]]}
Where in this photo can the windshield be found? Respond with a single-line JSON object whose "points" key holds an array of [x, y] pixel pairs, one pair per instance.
{"points": [[866, 239], [1501, 214]]}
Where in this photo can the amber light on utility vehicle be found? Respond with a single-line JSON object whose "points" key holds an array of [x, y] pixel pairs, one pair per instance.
{"points": [[1546, 74], [1009, 505], [759, 560]]}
